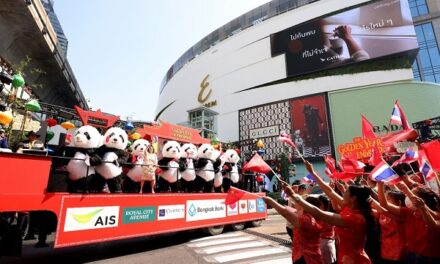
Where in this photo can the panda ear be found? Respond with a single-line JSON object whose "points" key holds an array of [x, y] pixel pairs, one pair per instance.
{"points": [[166, 141], [181, 144]]}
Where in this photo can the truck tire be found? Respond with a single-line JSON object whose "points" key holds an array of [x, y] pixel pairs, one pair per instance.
{"points": [[214, 230], [238, 226], [255, 223]]}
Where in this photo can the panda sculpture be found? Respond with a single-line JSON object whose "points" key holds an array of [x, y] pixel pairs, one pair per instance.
{"points": [[230, 169], [170, 166], [86, 140], [218, 165], [205, 168], [189, 155], [112, 154], [132, 183]]}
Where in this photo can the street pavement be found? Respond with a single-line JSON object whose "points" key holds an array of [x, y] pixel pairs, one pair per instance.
{"points": [[266, 244]]}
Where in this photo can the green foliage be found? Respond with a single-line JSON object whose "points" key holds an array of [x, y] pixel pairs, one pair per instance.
{"points": [[284, 165]]}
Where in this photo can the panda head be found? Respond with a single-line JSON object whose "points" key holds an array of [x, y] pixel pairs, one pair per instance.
{"points": [[116, 137], [206, 151], [171, 149], [231, 156], [139, 147], [87, 137], [189, 151]]}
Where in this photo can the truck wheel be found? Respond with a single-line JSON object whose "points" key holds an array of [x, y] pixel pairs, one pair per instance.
{"points": [[237, 227], [255, 223], [214, 230]]}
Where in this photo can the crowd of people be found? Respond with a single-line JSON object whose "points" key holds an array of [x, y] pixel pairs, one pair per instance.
{"points": [[363, 222]]}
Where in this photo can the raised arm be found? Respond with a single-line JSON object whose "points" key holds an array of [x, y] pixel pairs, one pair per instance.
{"points": [[335, 198], [428, 217], [284, 211], [391, 208]]}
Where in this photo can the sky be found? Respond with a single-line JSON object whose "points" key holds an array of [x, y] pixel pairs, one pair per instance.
{"points": [[120, 50]]}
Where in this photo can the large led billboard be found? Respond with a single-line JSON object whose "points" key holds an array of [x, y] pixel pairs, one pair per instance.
{"points": [[377, 30]]}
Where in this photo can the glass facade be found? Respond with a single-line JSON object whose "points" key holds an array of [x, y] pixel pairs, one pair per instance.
{"points": [[418, 7], [62, 40], [427, 65], [204, 120]]}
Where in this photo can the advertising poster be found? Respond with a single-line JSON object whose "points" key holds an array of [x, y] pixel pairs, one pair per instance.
{"points": [[377, 30], [310, 131]]}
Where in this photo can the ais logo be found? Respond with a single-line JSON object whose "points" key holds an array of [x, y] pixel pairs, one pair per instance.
{"points": [[84, 218]]}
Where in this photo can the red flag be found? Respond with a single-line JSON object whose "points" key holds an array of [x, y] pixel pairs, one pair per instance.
{"points": [[330, 163], [351, 165], [233, 195], [367, 128], [432, 152], [376, 156], [285, 138], [257, 164], [345, 176]]}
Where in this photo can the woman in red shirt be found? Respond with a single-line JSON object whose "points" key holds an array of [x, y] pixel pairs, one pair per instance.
{"points": [[327, 237], [306, 231], [353, 224], [421, 240]]}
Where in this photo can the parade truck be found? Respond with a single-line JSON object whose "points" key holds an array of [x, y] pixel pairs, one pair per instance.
{"points": [[32, 183]]}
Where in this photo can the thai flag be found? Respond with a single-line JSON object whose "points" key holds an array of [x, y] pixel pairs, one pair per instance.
{"points": [[383, 172], [308, 179], [398, 117], [409, 156], [284, 196], [426, 170]]}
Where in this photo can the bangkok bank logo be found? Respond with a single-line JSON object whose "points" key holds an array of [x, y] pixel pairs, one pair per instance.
{"points": [[84, 218], [192, 210]]}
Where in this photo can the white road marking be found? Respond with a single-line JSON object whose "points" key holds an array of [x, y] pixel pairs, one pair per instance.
{"points": [[217, 237], [276, 261], [217, 249], [221, 241]]}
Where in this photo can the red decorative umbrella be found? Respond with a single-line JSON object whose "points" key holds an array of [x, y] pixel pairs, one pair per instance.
{"points": [[257, 164]]}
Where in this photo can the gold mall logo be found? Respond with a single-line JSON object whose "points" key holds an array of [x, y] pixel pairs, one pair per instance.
{"points": [[205, 93]]}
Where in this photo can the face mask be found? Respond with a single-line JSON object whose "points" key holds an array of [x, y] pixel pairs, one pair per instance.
{"points": [[408, 203]]}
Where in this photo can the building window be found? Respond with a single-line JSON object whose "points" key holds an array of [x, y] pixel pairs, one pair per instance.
{"points": [[418, 7], [204, 120], [428, 68]]}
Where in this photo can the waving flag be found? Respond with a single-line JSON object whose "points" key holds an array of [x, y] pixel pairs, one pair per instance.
{"points": [[383, 172], [432, 151], [352, 165], [330, 163], [426, 169], [367, 128], [398, 117], [329, 173], [409, 156], [376, 156], [285, 138], [233, 195], [308, 179]]}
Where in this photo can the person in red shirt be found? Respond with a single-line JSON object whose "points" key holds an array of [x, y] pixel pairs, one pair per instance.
{"points": [[422, 241], [354, 224], [306, 231], [392, 239]]}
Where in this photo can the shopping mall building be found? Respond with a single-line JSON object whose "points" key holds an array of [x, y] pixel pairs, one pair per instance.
{"points": [[309, 68]]}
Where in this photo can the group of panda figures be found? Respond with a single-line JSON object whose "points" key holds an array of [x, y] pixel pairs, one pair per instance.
{"points": [[98, 161]]}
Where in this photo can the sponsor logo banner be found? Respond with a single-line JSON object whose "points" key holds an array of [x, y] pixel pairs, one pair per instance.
{"points": [[252, 206], [84, 218], [233, 209], [205, 209], [139, 214], [166, 212], [261, 207], [243, 209]]}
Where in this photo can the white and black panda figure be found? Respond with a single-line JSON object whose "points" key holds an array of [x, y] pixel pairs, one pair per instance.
{"points": [[170, 166], [189, 155], [218, 165], [230, 169], [86, 140], [205, 169], [113, 156], [132, 183]]}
